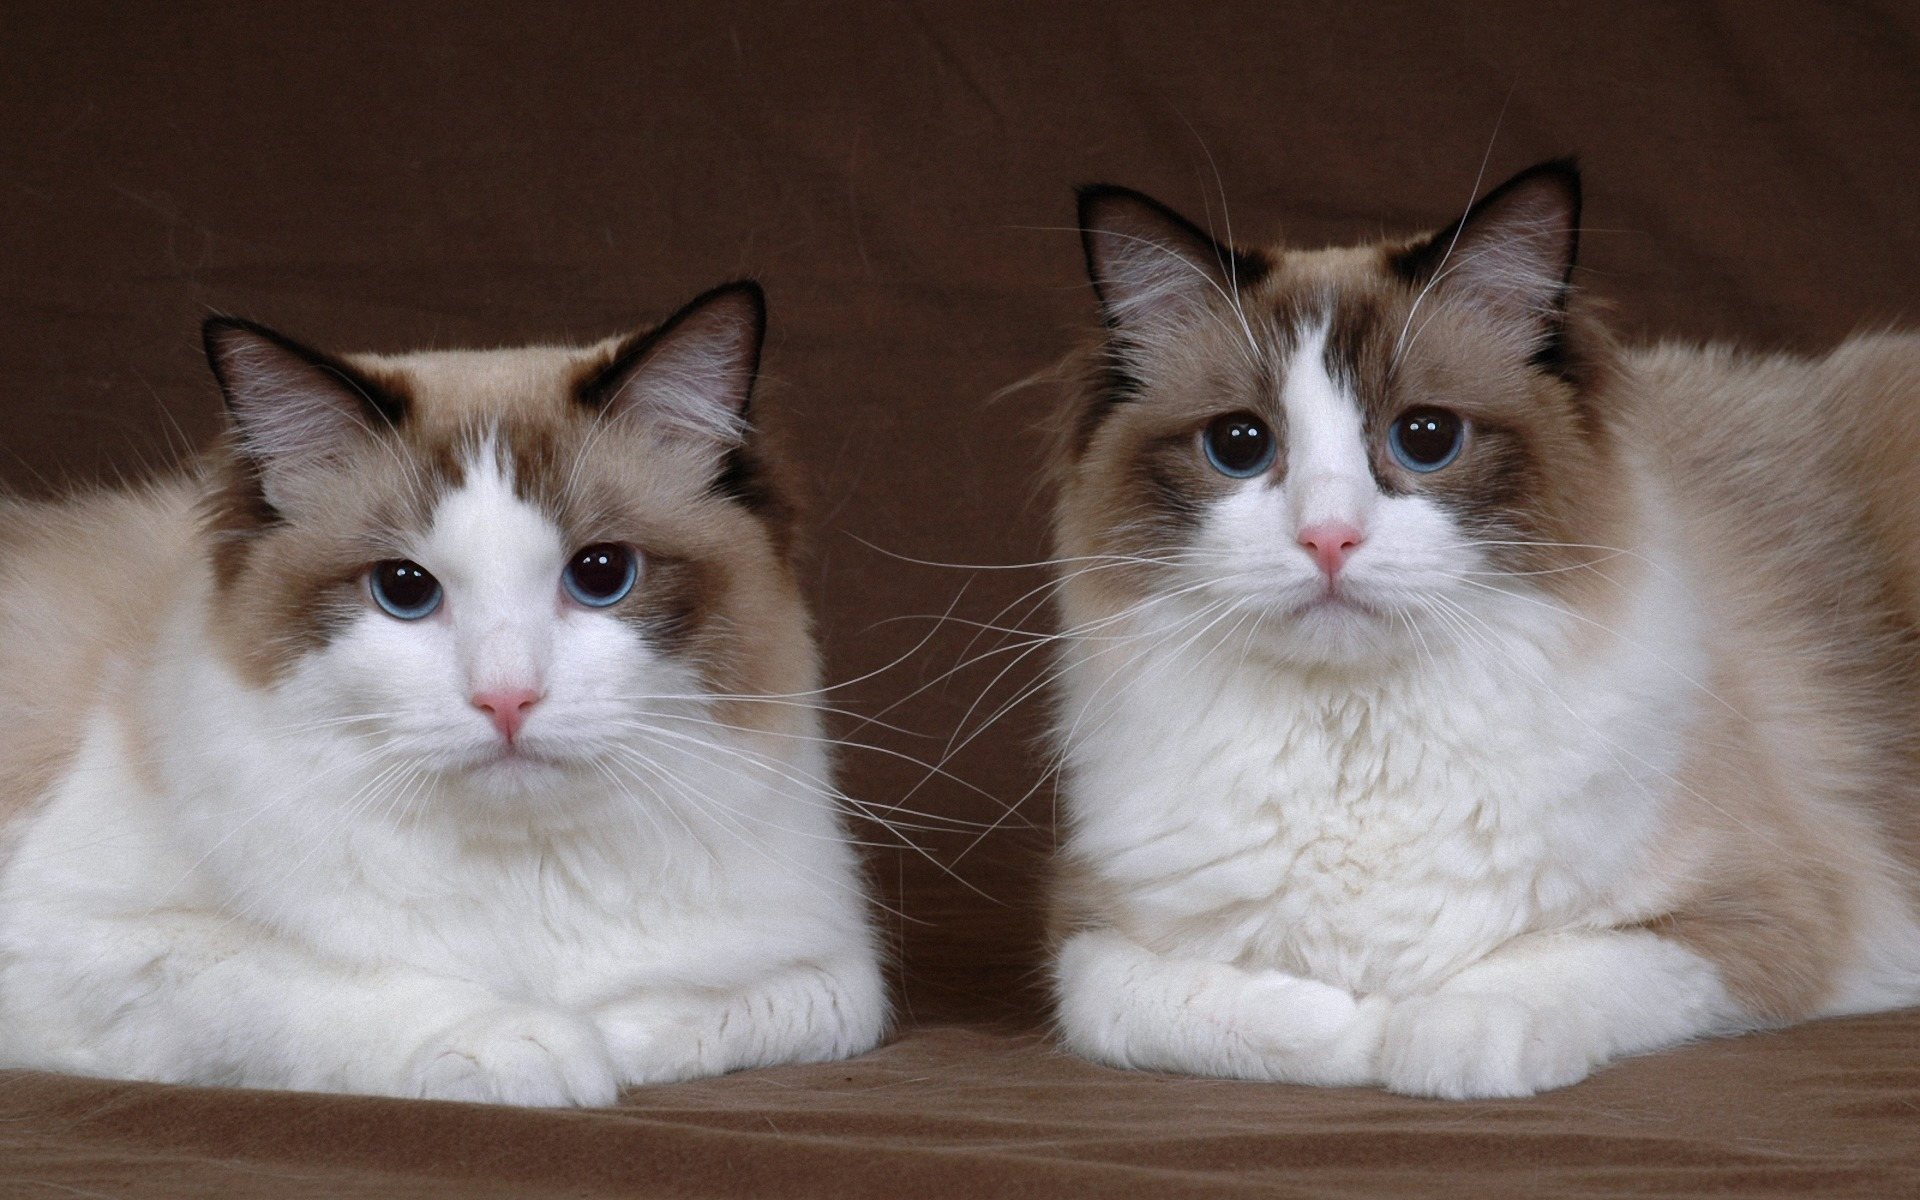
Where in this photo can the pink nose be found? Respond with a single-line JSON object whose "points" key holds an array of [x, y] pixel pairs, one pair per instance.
{"points": [[507, 708], [1330, 542]]}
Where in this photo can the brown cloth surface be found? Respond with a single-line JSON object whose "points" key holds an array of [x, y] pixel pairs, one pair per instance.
{"points": [[898, 175]]}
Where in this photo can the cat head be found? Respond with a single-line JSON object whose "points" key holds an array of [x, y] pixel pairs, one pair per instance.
{"points": [[1349, 450], [493, 564]]}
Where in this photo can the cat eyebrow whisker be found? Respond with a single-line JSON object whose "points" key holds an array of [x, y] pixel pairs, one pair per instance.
{"points": [[1250, 346], [1473, 194]]}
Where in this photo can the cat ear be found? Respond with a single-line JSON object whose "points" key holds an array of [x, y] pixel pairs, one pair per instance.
{"points": [[1512, 254], [293, 406], [1151, 267], [694, 374]]}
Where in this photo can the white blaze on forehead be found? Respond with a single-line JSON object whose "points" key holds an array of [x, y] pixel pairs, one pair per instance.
{"points": [[499, 558], [1328, 476], [484, 535]]}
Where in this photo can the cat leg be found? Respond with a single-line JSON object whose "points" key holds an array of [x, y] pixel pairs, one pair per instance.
{"points": [[199, 998], [1546, 1009], [806, 1012], [1126, 1006]]}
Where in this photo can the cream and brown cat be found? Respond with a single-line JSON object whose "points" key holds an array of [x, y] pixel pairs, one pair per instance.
{"points": [[1453, 698], [452, 731]]}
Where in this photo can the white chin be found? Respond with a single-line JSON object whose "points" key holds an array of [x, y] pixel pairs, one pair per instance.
{"points": [[1332, 631], [513, 772]]}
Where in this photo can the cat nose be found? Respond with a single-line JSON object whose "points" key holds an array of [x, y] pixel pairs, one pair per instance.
{"points": [[1330, 542], [506, 707]]}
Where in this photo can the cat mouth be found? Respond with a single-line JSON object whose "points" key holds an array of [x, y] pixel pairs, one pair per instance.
{"points": [[1334, 602], [510, 758]]}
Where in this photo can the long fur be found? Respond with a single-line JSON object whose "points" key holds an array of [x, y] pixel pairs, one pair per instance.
{"points": [[257, 831], [1610, 741]]}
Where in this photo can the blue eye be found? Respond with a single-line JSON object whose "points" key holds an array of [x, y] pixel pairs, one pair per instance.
{"points": [[1426, 439], [601, 574], [403, 589], [1238, 445]]}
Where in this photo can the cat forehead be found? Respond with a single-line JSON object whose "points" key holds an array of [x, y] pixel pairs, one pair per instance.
{"points": [[452, 389], [485, 520]]}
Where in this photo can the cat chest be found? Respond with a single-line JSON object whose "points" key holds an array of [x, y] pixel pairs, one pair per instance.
{"points": [[1367, 848], [527, 936]]}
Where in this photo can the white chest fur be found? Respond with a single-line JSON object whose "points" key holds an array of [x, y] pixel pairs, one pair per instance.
{"points": [[1377, 831], [663, 877]]}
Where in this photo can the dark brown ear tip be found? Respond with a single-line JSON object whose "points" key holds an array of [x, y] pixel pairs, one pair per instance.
{"points": [[1096, 200], [220, 326], [747, 288], [216, 332], [1562, 172], [1091, 196], [744, 291]]}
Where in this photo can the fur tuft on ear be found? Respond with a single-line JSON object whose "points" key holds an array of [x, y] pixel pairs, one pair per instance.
{"points": [[1151, 267], [694, 373], [1512, 255], [293, 406]]}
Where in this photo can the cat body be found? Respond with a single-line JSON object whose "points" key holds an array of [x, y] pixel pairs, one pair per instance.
{"points": [[563, 831], [1597, 736]]}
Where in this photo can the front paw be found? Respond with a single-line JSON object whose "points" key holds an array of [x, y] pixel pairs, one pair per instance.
{"points": [[516, 1054], [1305, 1031], [1467, 1046], [655, 1041]]}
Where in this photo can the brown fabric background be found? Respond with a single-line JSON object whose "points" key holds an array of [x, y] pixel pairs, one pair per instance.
{"points": [[898, 176]]}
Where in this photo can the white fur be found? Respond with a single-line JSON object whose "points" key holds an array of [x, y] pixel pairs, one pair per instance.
{"points": [[323, 885], [1367, 843]]}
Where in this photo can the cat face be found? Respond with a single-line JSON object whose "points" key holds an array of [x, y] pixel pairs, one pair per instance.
{"points": [[1343, 453], [503, 566]]}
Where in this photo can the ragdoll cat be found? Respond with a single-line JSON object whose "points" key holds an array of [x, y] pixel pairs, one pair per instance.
{"points": [[1453, 700], [451, 732]]}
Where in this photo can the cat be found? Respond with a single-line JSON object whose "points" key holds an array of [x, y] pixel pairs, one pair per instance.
{"points": [[449, 731], [1452, 699]]}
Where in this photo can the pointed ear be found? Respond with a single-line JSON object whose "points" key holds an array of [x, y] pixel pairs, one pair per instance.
{"points": [[293, 406], [1512, 255], [1151, 267], [694, 374]]}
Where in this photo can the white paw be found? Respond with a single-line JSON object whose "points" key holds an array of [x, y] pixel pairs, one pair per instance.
{"points": [[1467, 1046], [1304, 1031], [653, 1043], [516, 1055], [1281, 1013]]}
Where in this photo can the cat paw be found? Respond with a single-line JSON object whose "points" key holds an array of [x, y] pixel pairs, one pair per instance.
{"points": [[1467, 1046], [1279, 1013], [517, 1055], [1305, 1031], [652, 1043]]}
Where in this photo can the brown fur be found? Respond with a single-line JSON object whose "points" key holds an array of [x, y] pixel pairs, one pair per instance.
{"points": [[1792, 471], [721, 588], [1540, 464], [83, 581], [82, 585], [1797, 482]]}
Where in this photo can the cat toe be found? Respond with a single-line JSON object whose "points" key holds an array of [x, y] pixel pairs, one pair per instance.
{"points": [[1466, 1046], [1305, 1031], [1281, 1012], [517, 1055], [652, 1043]]}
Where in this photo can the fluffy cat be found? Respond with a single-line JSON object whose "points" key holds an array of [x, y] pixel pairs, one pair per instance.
{"points": [[1453, 700], [449, 732]]}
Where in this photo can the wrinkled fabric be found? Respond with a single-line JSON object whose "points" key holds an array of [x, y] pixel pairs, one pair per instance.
{"points": [[900, 176]]}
